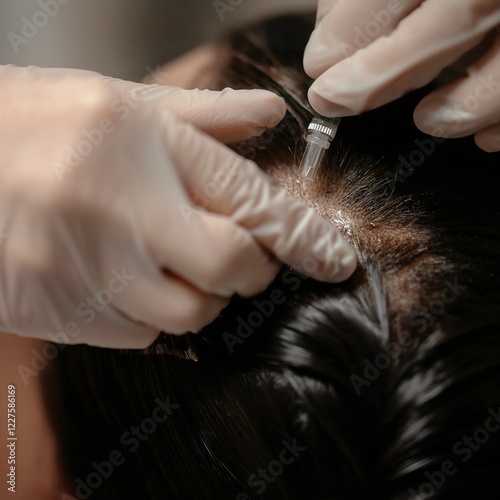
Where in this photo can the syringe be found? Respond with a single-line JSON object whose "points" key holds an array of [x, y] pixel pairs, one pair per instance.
{"points": [[322, 131]]}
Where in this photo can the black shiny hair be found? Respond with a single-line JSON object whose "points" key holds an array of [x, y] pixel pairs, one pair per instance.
{"points": [[386, 386]]}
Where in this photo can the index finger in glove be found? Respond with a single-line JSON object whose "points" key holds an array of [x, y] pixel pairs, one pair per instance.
{"points": [[228, 115], [346, 26], [323, 8], [230, 185], [415, 53]]}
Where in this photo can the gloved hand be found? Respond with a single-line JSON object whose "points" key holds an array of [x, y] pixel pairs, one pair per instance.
{"points": [[118, 219], [365, 54]]}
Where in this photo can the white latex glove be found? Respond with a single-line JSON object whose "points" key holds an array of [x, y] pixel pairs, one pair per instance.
{"points": [[101, 241], [365, 54]]}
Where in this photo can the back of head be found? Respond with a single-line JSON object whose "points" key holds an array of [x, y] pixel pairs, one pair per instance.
{"points": [[385, 386]]}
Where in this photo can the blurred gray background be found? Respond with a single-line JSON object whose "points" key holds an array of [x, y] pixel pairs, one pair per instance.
{"points": [[120, 38]]}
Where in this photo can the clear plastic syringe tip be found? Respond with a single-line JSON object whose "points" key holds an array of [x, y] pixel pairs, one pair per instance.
{"points": [[321, 132]]}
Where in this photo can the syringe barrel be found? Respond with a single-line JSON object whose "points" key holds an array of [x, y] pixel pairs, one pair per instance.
{"points": [[313, 156]]}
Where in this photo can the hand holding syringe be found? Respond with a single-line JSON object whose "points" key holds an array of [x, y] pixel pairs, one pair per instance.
{"points": [[365, 56]]}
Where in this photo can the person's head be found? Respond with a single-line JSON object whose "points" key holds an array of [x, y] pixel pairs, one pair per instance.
{"points": [[385, 386]]}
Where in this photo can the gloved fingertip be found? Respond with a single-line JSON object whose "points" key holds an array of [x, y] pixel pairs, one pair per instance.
{"points": [[344, 262], [489, 140], [266, 108], [277, 109], [440, 120], [323, 53], [324, 7], [326, 107], [274, 107], [335, 259], [314, 56], [347, 265]]}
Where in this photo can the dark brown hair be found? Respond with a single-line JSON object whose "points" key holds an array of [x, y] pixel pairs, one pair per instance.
{"points": [[383, 387]]}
